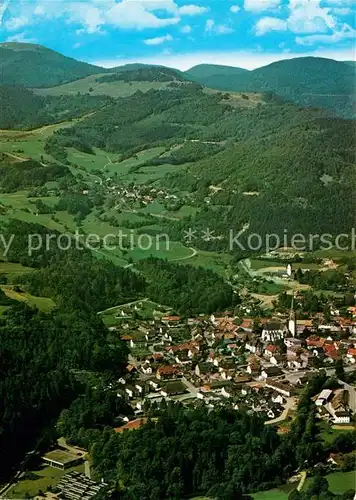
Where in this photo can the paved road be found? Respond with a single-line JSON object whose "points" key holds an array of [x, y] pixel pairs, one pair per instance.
{"points": [[289, 406], [303, 476], [191, 388]]}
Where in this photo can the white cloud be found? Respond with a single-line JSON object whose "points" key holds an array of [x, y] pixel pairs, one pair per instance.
{"points": [[16, 23], [346, 33], [218, 29], [235, 9], [93, 15], [240, 59], [158, 40], [186, 29], [261, 5], [306, 16], [267, 24], [193, 10]]}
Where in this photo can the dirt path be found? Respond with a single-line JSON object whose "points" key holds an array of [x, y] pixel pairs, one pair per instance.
{"points": [[21, 158]]}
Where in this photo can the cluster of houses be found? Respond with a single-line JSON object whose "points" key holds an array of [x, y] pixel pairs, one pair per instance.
{"points": [[244, 363], [143, 194]]}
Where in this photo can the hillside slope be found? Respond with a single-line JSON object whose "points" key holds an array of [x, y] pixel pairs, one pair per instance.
{"points": [[23, 109], [36, 66], [214, 75], [273, 165], [307, 81]]}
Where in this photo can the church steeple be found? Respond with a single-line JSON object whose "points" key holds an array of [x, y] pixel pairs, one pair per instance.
{"points": [[292, 324]]}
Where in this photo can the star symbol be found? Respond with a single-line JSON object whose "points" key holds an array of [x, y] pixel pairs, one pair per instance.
{"points": [[208, 234], [189, 235]]}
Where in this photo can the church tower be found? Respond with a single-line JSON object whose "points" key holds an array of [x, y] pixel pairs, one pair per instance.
{"points": [[292, 323]]}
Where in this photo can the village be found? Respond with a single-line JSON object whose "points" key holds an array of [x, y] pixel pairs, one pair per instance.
{"points": [[256, 364]]}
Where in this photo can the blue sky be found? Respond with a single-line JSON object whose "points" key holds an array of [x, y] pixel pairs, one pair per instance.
{"points": [[182, 33]]}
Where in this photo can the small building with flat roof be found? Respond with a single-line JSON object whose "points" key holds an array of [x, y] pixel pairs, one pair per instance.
{"points": [[62, 459]]}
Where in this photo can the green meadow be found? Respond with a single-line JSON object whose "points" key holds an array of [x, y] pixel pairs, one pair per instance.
{"points": [[112, 89]]}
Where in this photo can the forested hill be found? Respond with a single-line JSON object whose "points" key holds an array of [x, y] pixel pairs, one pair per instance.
{"points": [[36, 66], [214, 75], [307, 81], [270, 163], [22, 109], [144, 74]]}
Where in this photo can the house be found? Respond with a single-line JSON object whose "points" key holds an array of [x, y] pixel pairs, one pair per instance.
{"points": [[171, 321], [277, 398], [146, 369], [304, 324], [351, 354], [277, 359], [341, 417], [270, 371], [253, 367], [323, 397], [251, 346], [315, 341], [336, 459], [206, 368], [282, 388], [247, 324], [168, 371], [293, 352], [173, 389], [270, 349], [273, 331], [293, 342]]}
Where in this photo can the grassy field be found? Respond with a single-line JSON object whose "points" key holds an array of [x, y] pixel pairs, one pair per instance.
{"points": [[215, 261], [46, 477], [13, 270], [257, 264], [280, 493], [112, 89], [327, 433], [339, 482], [146, 309], [44, 304]]}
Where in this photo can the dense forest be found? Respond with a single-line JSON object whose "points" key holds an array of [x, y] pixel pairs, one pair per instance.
{"points": [[187, 289], [221, 453], [21, 108], [307, 81], [76, 279], [15, 175], [37, 353]]}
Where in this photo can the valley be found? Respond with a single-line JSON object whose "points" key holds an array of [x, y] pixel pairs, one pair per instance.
{"points": [[177, 280]]}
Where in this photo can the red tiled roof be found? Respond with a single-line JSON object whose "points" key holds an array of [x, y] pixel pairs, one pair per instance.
{"points": [[352, 351], [134, 424], [171, 318], [167, 370], [271, 348], [126, 337]]}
